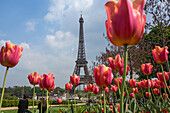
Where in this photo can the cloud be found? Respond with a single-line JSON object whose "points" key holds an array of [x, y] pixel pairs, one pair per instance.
{"points": [[60, 40], [59, 8], [2, 34], [30, 26], [25, 45]]}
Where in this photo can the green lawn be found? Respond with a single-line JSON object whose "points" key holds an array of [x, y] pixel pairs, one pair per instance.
{"points": [[56, 109]]}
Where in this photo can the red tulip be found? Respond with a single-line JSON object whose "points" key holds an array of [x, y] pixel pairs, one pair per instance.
{"points": [[86, 89], [91, 87], [48, 80], [41, 85], [59, 100], [33, 78], [68, 86], [125, 21], [132, 83], [139, 84], [123, 94], [10, 55], [119, 80], [160, 55], [165, 95], [160, 76], [156, 91], [106, 89], [157, 83], [152, 83], [132, 95], [162, 84], [118, 107], [164, 110], [134, 90], [148, 94], [75, 79], [51, 88], [114, 88], [147, 82], [147, 68], [103, 75], [111, 107], [121, 71], [116, 64], [96, 90]]}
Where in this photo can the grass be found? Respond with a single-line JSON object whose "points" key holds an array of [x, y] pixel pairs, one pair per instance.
{"points": [[55, 109]]}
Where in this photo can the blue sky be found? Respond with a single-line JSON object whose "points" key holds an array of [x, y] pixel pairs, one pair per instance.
{"points": [[48, 31]]}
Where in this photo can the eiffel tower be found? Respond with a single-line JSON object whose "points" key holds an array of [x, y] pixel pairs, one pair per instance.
{"points": [[81, 61]]}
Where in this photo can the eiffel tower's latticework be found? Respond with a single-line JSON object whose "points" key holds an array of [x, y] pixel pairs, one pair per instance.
{"points": [[81, 61]]}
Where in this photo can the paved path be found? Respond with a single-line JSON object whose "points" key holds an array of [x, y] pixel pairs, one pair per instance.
{"points": [[10, 108]]}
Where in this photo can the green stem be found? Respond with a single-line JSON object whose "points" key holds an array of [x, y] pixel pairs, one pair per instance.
{"points": [[118, 83], [104, 100], [68, 99], [164, 78], [149, 88], [33, 97], [143, 96], [47, 101], [153, 94], [42, 99], [100, 97], [74, 97], [124, 75], [3, 89], [115, 97]]}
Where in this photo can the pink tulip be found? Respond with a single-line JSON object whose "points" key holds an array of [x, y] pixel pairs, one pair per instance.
{"points": [[160, 55], [147, 82], [48, 80], [119, 80], [165, 95], [116, 64], [41, 85], [139, 84], [160, 76], [125, 21], [59, 100], [148, 94], [96, 90], [157, 83], [132, 95], [86, 89], [10, 55], [134, 90], [156, 91], [147, 68], [68, 86], [114, 88], [90, 87], [132, 83], [106, 89], [75, 79], [103, 75], [33, 78], [121, 71], [51, 88]]}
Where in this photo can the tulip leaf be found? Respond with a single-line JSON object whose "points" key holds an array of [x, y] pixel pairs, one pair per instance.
{"points": [[145, 106], [125, 104], [154, 106], [128, 111]]}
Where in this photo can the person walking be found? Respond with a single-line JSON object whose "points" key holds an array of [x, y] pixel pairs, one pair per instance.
{"points": [[23, 105]]}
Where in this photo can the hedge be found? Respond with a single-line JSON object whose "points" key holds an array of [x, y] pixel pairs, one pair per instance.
{"points": [[11, 103]]}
